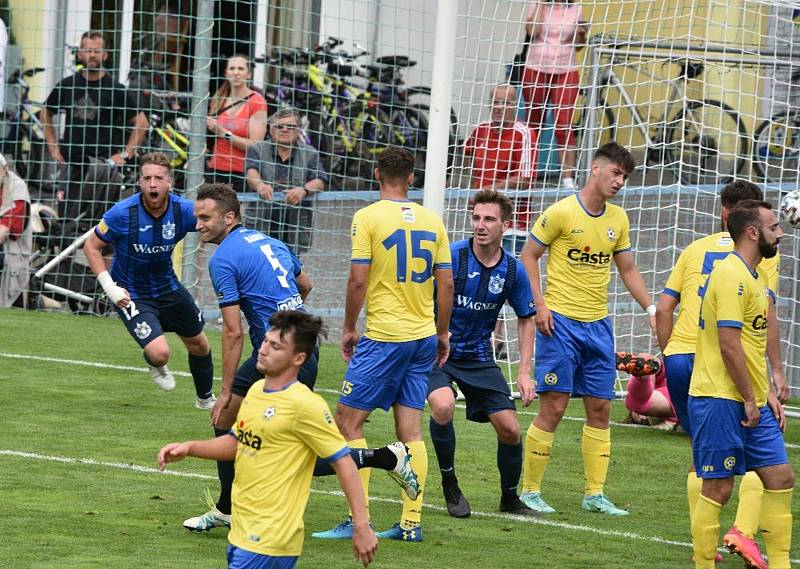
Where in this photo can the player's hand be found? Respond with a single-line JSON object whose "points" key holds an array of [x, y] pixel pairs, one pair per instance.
{"points": [[220, 405], [777, 410], [781, 385], [124, 301], [348, 344], [442, 349], [212, 125], [117, 159], [544, 320], [265, 191], [173, 452], [527, 390], [752, 414], [365, 544], [652, 320], [294, 196]]}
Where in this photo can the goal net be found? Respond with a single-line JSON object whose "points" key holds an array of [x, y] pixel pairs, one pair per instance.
{"points": [[701, 91]]}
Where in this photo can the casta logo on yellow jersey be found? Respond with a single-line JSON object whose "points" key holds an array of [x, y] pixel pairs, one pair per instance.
{"points": [[760, 322], [587, 257], [247, 437]]}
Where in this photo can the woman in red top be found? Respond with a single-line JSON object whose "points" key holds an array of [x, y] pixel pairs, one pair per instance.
{"points": [[237, 118]]}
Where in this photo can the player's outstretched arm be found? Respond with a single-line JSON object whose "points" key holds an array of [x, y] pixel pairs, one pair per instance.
{"points": [[444, 309], [525, 333], [232, 341], [530, 256], [774, 354], [219, 448], [92, 248], [632, 278], [356, 293], [664, 319], [365, 543], [730, 347]]}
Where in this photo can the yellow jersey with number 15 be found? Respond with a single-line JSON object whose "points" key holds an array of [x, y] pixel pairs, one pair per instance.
{"points": [[687, 278], [582, 246], [734, 297], [403, 243]]}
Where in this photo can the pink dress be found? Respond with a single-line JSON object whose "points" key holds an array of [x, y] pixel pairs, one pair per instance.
{"points": [[553, 51]]}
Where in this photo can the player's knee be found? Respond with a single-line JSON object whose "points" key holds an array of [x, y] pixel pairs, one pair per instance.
{"points": [[442, 408], [508, 433], [157, 355], [346, 424], [781, 478], [197, 345]]}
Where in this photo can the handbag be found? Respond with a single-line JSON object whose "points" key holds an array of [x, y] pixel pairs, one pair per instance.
{"points": [[518, 65]]}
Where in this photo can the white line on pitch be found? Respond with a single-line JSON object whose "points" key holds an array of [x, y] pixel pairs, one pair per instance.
{"points": [[186, 374], [494, 515]]}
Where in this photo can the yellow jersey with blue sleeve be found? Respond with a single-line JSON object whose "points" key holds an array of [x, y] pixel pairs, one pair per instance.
{"points": [[687, 278], [280, 434], [579, 261], [737, 297], [403, 243]]}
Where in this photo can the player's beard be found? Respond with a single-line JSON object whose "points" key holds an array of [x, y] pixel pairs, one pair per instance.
{"points": [[767, 250]]}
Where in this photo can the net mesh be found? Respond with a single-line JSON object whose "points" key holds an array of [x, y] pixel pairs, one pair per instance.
{"points": [[701, 91]]}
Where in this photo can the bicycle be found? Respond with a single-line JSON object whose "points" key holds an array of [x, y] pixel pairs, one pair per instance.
{"points": [[776, 143], [703, 141]]}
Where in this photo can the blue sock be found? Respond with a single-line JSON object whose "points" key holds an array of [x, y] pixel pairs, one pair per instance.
{"points": [[226, 473], [444, 443], [509, 463], [202, 370]]}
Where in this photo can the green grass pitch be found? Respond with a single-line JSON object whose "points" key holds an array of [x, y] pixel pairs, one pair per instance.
{"points": [[80, 433]]}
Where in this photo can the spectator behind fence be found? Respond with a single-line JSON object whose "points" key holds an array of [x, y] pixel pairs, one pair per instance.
{"points": [[551, 72], [16, 237], [503, 158], [98, 113], [237, 119], [285, 164]]}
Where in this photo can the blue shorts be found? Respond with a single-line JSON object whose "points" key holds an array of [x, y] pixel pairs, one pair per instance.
{"points": [[384, 373], [722, 447], [148, 318], [247, 374], [678, 368], [578, 358], [482, 383], [239, 558]]}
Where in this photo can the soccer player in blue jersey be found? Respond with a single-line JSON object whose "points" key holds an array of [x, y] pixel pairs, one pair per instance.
{"points": [[736, 420], [678, 342], [257, 275], [485, 277], [575, 338], [143, 230], [399, 250], [281, 429]]}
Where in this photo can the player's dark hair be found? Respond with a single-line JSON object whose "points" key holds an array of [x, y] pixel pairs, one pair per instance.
{"points": [[92, 35], [395, 164], [744, 214], [739, 190], [304, 328], [157, 159], [495, 197], [223, 195], [617, 154]]}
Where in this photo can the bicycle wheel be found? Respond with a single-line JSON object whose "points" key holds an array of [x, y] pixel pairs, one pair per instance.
{"points": [[776, 148], [604, 122], [706, 143]]}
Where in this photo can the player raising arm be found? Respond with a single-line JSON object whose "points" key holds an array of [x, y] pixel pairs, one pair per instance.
{"points": [[574, 337], [280, 430]]}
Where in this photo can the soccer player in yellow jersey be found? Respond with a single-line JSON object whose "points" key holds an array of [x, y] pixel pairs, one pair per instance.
{"points": [[281, 428], [399, 250], [678, 342], [574, 335], [736, 420]]}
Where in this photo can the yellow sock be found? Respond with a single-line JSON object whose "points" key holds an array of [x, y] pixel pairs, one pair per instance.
{"points": [[596, 448], [412, 509], [776, 526], [749, 509], [364, 472], [538, 446], [705, 532], [694, 484]]}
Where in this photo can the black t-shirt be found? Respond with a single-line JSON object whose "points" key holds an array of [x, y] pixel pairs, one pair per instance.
{"points": [[98, 116]]}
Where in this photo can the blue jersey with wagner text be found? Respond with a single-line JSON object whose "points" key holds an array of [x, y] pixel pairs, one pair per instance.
{"points": [[143, 244], [259, 274], [480, 293]]}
